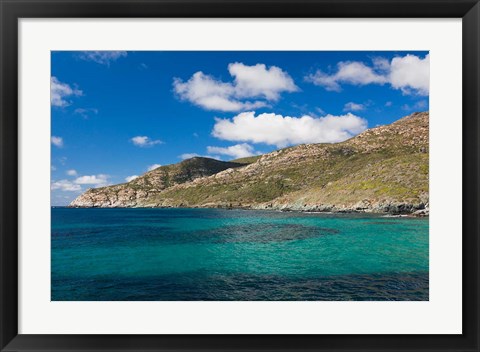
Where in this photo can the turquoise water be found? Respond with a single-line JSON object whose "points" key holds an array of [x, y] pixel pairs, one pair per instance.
{"points": [[210, 254]]}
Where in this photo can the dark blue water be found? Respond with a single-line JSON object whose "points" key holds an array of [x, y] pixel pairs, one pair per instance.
{"points": [[210, 254]]}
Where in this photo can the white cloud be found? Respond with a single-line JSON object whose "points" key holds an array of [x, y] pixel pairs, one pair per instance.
{"points": [[356, 73], [388, 104], [410, 74], [75, 186], [419, 105], [131, 178], [65, 185], [351, 106], [59, 91], [422, 104], [188, 156], [57, 141], [320, 111], [236, 151], [249, 82], [97, 180], [260, 81], [153, 167], [53, 168], [381, 64], [206, 92], [102, 57], [144, 141], [282, 131], [319, 78], [85, 112]]}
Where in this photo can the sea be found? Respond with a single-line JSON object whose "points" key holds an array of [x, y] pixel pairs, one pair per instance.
{"points": [[156, 254]]}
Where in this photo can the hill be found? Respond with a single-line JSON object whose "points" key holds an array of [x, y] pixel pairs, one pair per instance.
{"points": [[133, 193], [384, 169]]}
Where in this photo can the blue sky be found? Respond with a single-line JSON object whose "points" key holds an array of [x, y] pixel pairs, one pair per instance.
{"points": [[116, 114]]}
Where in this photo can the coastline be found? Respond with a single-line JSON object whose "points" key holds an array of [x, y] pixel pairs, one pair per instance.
{"points": [[383, 170], [390, 210]]}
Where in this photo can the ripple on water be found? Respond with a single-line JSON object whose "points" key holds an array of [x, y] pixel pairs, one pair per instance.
{"points": [[265, 233], [199, 286]]}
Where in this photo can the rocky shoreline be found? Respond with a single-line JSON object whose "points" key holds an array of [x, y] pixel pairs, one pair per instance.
{"points": [[418, 210], [394, 209]]}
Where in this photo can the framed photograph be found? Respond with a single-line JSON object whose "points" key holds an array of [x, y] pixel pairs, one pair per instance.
{"points": [[248, 176]]}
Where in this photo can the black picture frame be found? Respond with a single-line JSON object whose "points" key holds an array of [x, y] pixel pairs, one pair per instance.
{"points": [[12, 10]]}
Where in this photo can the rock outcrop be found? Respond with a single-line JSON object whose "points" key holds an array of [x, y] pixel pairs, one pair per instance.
{"points": [[135, 192]]}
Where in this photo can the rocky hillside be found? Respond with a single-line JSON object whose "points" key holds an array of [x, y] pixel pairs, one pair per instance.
{"points": [[384, 169], [135, 192]]}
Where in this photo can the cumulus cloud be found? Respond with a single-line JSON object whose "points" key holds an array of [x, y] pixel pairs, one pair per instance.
{"points": [[381, 64], [144, 141], [236, 151], [102, 57], [210, 94], [351, 106], [76, 185], [260, 81], [59, 91], [249, 82], [131, 178], [65, 185], [153, 167], [282, 131], [96, 180], [57, 141], [356, 73], [410, 74]]}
